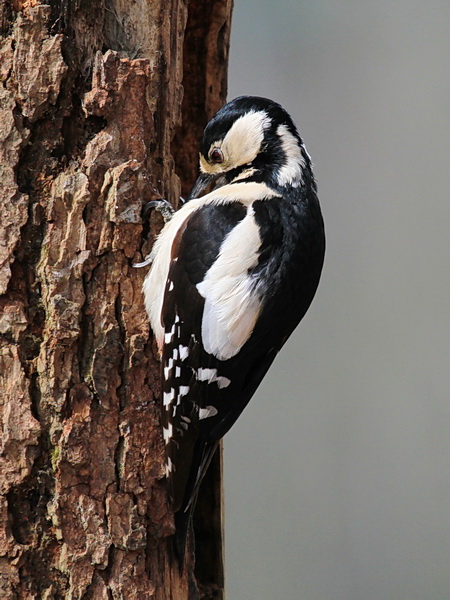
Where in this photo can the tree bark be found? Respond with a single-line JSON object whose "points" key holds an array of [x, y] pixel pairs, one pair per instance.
{"points": [[93, 123]]}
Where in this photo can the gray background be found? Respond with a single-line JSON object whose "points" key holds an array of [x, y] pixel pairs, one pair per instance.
{"points": [[337, 475]]}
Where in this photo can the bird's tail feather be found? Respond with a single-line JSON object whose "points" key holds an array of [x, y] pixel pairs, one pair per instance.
{"points": [[183, 536], [184, 533]]}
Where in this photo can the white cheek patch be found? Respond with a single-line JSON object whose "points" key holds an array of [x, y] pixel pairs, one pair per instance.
{"points": [[241, 144], [243, 141], [232, 304]]}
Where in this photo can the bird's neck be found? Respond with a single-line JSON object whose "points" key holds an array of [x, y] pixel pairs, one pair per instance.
{"points": [[291, 171]]}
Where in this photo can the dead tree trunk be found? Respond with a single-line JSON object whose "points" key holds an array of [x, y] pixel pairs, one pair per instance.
{"points": [[92, 124]]}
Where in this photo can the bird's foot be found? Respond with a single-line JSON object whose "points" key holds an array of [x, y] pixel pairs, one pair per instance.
{"points": [[162, 206], [147, 261], [166, 210]]}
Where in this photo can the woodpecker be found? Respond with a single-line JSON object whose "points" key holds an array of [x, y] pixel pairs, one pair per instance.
{"points": [[233, 272]]}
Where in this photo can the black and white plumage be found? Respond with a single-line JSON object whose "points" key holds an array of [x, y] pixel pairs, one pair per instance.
{"points": [[233, 273]]}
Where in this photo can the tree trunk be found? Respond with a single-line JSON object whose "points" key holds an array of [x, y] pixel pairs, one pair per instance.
{"points": [[93, 123]]}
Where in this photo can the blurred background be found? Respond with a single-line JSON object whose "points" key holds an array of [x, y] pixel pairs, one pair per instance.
{"points": [[337, 475]]}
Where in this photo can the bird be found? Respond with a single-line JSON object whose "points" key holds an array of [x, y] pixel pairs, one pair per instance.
{"points": [[233, 272]]}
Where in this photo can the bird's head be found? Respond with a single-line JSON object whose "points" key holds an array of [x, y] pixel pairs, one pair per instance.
{"points": [[252, 138]]}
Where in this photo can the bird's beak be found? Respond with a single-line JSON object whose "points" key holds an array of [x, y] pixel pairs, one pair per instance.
{"points": [[204, 180]]}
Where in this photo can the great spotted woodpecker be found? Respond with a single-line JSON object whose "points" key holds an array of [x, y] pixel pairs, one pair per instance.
{"points": [[233, 273]]}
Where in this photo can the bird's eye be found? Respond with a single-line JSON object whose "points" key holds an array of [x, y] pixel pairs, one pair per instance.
{"points": [[216, 156]]}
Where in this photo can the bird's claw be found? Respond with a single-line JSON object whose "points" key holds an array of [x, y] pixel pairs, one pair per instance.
{"points": [[162, 206], [166, 210], [147, 261]]}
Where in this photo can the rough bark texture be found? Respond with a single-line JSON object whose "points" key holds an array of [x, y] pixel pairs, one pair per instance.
{"points": [[93, 124]]}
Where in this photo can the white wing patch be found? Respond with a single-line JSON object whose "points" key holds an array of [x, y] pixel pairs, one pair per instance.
{"points": [[231, 303]]}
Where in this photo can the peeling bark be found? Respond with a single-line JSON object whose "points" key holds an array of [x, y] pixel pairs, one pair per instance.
{"points": [[93, 124]]}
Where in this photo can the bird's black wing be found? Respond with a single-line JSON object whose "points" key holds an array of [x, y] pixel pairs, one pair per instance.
{"points": [[186, 366]]}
